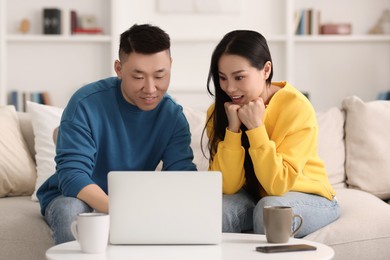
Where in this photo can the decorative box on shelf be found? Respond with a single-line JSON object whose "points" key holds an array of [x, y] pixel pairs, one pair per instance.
{"points": [[336, 28]]}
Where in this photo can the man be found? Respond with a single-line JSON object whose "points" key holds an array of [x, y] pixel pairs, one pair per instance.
{"points": [[119, 123]]}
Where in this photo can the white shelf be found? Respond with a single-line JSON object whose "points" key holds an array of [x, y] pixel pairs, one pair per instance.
{"points": [[216, 39], [343, 38], [58, 38], [273, 38]]}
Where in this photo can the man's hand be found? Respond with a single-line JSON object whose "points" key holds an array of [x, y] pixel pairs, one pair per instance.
{"points": [[95, 197]]}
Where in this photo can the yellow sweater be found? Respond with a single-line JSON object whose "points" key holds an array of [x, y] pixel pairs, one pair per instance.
{"points": [[284, 150]]}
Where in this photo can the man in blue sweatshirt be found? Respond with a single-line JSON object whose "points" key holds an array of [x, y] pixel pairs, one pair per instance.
{"points": [[126, 122]]}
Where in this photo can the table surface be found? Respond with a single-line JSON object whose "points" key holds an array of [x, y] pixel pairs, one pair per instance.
{"points": [[234, 246]]}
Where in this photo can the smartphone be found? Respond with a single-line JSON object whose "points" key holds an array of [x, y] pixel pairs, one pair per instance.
{"points": [[285, 248]]}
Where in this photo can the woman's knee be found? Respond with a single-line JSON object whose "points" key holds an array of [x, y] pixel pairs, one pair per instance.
{"points": [[258, 226]]}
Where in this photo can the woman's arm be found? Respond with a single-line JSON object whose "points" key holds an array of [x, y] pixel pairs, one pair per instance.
{"points": [[281, 147], [228, 159]]}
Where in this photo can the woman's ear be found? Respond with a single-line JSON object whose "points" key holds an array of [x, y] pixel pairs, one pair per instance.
{"points": [[118, 68], [267, 69]]}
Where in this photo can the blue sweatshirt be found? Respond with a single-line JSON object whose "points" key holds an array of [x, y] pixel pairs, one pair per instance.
{"points": [[101, 132]]}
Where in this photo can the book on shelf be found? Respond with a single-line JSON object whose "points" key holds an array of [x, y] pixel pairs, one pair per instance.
{"points": [[51, 21], [87, 31], [336, 28], [73, 20], [19, 98], [307, 22], [384, 95], [84, 24]]}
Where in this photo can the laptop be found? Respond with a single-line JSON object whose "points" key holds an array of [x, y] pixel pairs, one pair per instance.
{"points": [[177, 207]]}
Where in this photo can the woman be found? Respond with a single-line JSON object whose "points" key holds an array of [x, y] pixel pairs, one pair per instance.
{"points": [[263, 138]]}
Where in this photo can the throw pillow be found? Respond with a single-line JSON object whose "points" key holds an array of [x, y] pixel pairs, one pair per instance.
{"points": [[196, 120], [331, 147], [44, 120], [367, 146], [17, 167]]}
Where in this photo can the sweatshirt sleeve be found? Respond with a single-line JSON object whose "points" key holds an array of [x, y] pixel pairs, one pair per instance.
{"points": [[279, 162], [229, 160]]}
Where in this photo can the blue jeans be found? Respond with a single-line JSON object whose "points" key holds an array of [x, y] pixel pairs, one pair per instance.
{"points": [[316, 211], [237, 212], [60, 213]]}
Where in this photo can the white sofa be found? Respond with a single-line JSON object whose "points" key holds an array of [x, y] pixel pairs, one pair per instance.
{"points": [[353, 141]]}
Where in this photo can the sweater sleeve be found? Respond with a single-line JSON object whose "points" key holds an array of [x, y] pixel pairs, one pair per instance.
{"points": [[178, 154], [75, 156]]}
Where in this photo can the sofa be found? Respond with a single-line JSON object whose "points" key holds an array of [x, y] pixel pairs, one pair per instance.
{"points": [[354, 143]]}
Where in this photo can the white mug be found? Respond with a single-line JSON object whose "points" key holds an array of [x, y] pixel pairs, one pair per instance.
{"points": [[91, 230]]}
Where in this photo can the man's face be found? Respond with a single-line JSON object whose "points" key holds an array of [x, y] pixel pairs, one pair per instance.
{"points": [[145, 78]]}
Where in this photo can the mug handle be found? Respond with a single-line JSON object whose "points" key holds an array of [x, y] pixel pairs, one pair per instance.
{"points": [[300, 224], [73, 229]]}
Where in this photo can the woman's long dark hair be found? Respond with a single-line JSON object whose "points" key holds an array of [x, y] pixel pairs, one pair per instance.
{"points": [[252, 46]]}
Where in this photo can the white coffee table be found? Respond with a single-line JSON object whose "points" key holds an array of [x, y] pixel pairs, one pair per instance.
{"points": [[233, 246]]}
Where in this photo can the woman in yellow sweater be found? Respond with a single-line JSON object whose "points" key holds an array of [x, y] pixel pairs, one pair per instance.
{"points": [[263, 138]]}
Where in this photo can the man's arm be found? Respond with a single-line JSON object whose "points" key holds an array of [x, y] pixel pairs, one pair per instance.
{"points": [[95, 197]]}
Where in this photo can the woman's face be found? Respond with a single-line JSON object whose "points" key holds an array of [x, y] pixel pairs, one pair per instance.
{"points": [[240, 80]]}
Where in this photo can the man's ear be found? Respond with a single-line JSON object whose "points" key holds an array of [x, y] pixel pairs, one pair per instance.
{"points": [[118, 68]]}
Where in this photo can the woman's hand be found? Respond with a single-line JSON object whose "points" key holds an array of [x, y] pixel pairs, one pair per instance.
{"points": [[231, 111], [251, 114]]}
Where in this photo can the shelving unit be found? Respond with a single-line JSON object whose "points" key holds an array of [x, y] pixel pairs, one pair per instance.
{"points": [[58, 64], [329, 67], [60, 38], [345, 39]]}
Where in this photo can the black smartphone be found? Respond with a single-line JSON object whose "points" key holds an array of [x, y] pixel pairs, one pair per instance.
{"points": [[285, 248]]}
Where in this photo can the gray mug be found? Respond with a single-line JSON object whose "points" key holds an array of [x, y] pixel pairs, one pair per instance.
{"points": [[278, 221]]}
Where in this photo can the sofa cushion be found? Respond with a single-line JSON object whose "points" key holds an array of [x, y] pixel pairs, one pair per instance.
{"points": [[17, 168], [367, 141], [24, 233], [44, 120], [331, 148], [362, 231]]}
